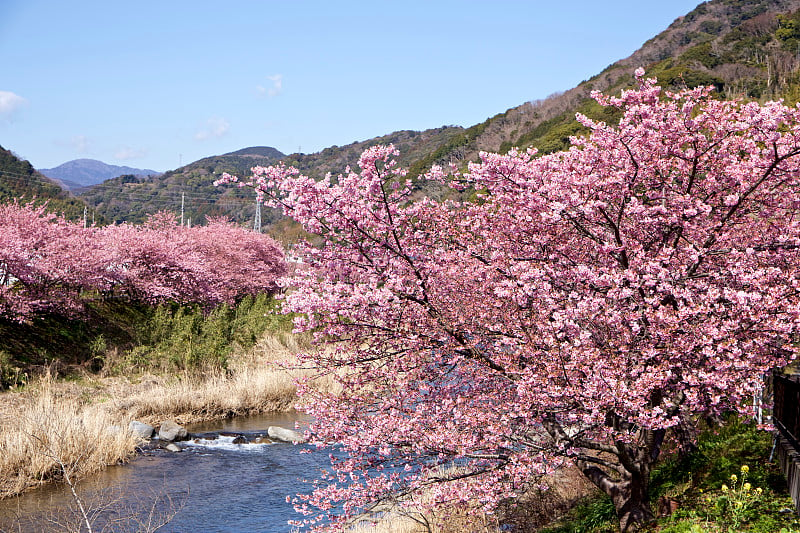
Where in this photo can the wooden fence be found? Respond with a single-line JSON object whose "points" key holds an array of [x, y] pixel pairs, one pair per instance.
{"points": [[786, 417]]}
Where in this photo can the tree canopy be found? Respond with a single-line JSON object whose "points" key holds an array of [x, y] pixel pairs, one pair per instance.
{"points": [[586, 305], [50, 264]]}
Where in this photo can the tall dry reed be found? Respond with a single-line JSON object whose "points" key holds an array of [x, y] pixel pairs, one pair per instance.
{"points": [[256, 382], [60, 430], [54, 438]]}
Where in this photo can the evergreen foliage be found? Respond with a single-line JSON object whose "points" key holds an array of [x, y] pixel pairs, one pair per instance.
{"points": [[19, 180], [128, 337]]}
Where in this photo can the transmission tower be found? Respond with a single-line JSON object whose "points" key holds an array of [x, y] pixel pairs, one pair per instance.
{"points": [[257, 221]]}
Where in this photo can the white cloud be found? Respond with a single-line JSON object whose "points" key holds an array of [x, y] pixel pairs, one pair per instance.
{"points": [[10, 102], [126, 152], [214, 128], [275, 89], [78, 143], [81, 143]]}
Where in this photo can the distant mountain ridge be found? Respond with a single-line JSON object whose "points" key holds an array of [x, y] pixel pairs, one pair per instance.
{"points": [[86, 172], [131, 199], [258, 151]]}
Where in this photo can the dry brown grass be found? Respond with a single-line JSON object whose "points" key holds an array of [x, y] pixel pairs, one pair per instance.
{"points": [[413, 516], [84, 425], [195, 398], [418, 522], [530, 512], [256, 382], [53, 437]]}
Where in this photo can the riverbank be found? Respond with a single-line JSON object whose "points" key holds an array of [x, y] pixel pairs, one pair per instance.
{"points": [[58, 430]]}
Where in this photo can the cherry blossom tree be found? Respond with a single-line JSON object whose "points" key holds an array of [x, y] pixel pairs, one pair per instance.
{"points": [[46, 262], [219, 263], [156, 263], [50, 264], [245, 262], [587, 303]]}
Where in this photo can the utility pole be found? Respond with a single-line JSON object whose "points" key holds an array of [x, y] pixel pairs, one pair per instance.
{"points": [[257, 221], [84, 216], [183, 197]]}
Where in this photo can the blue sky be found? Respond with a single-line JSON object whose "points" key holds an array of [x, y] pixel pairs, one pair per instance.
{"points": [[153, 84]]}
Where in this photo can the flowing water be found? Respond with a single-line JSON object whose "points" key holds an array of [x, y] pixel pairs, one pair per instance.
{"points": [[215, 485]]}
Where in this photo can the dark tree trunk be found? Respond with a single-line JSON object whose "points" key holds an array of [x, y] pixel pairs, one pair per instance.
{"points": [[628, 494], [686, 437], [632, 505], [625, 472]]}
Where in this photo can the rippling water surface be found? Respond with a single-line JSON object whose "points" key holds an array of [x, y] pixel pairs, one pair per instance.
{"points": [[218, 486]]}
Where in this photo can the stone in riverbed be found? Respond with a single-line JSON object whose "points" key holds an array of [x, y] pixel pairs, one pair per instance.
{"points": [[172, 447], [141, 430], [171, 431], [285, 435]]}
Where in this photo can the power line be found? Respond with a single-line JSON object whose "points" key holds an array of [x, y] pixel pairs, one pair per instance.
{"points": [[147, 200], [138, 195]]}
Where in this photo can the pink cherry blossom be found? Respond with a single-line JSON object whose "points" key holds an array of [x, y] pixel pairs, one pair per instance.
{"points": [[49, 264], [589, 304]]}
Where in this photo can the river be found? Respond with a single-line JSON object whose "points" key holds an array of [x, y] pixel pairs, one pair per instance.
{"points": [[215, 486]]}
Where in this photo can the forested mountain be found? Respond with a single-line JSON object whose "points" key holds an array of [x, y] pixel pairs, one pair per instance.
{"points": [[746, 48], [84, 172], [131, 198], [18, 179]]}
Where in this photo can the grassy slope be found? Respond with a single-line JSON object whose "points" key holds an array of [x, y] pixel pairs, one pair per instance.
{"points": [[691, 488]]}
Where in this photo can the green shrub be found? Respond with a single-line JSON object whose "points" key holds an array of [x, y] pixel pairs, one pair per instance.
{"points": [[701, 484], [11, 375], [177, 337]]}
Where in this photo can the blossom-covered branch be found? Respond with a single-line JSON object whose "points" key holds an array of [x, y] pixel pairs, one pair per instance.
{"points": [[590, 301]]}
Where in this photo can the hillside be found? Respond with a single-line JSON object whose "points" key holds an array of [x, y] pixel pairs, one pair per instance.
{"points": [[85, 172], [746, 48], [131, 198], [18, 179]]}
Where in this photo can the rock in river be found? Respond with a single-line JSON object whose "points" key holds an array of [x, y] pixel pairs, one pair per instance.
{"points": [[171, 431], [141, 430], [285, 435]]}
